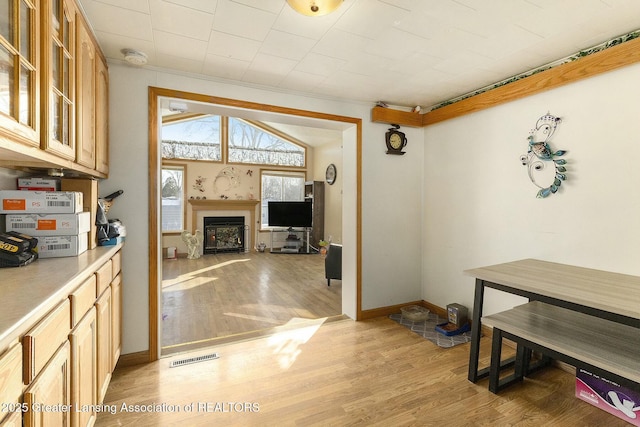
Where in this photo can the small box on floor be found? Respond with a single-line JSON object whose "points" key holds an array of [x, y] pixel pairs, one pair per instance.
{"points": [[61, 246], [457, 314], [49, 224], [17, 201], [608, 396]]}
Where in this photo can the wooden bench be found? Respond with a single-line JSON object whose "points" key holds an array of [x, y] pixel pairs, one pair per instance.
{"points": [[603, 347]]}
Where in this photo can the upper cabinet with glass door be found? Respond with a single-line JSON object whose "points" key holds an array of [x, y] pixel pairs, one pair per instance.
{"points": [[53, 89], [58, 88], [85, 97], [19, 63]]}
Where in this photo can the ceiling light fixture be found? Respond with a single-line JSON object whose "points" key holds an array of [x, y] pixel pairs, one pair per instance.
{"points": [[314, 7], [134, 57]]}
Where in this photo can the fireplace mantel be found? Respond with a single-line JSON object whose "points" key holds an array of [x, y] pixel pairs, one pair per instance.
{"points": [[225, 205]]}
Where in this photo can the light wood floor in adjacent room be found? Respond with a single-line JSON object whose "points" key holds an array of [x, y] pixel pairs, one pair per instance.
{"points": [[231, 295], [343, 373]]}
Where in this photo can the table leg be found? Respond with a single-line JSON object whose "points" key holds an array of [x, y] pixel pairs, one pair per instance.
{"points": [[476, 332]]}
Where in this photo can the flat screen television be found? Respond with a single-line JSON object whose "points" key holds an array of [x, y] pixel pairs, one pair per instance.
{"points": [[290, 214]]}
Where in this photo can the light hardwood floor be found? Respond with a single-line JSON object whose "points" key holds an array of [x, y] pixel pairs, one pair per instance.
{"points": [[343, 373], [230, 295]]}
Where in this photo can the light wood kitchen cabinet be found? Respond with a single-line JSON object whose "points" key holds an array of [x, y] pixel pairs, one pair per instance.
{"points": [[104, 363], [13, 420], [82, 299], [86, 97], [41, 341], [102, 116], [104, 275], [11, 381], [51, 387], [54, 112], [56, 339], [19, 62], [83, 340], [58, 78], [116, 320]]}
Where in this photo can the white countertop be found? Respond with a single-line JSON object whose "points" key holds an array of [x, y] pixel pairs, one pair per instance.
{"points": [[28, 293]]}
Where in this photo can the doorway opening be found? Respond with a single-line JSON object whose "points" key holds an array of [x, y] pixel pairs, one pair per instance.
{"points": [[215, 268]]}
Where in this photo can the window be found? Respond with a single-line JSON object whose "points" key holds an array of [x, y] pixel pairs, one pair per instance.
{"points": [[249, 143], [173, 197], [279, 186], [196, 138]]}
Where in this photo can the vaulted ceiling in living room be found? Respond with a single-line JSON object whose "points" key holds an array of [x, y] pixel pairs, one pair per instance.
{"points": [[404, 52]]}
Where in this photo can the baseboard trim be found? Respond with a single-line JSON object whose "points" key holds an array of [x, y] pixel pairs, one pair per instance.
{"points": [[132, 359], [386, 311], [441, 312], [392, 309]]}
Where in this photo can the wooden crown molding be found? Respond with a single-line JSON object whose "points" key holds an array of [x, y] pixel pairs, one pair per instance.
{"points": [[610, 59]]}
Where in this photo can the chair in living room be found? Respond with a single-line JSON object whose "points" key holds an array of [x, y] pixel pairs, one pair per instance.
{"points": [[333, 263]]}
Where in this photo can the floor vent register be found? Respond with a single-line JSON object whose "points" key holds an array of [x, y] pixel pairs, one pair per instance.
{"points": [[182, 362]]}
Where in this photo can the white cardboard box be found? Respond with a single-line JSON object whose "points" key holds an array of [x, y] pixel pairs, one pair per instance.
{"points": [[39, 184], [49, 224], [17, 201], [61, 246]]}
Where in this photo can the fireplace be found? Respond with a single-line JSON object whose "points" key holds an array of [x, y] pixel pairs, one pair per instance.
{"points": [[224, 234]]}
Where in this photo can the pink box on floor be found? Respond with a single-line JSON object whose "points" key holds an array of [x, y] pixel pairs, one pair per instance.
{"points": [[608, 396]]}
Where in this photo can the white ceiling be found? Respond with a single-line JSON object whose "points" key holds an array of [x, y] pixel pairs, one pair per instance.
{"points": [[403, 52]]}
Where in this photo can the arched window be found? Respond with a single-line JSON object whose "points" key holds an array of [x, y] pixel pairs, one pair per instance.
{"points": [[250, 143], [193, 138]]}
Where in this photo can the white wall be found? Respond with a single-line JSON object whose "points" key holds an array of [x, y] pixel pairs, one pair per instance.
{"points": [[324, 156], [9, 179], [480, 207], [391, 259]]}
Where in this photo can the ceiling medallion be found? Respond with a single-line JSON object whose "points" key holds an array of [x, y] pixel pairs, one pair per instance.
{"points": [[314, 7]]}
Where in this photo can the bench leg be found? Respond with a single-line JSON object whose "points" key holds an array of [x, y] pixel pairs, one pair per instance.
{"points": [[496, 352], [521, 363], [523, 356]]}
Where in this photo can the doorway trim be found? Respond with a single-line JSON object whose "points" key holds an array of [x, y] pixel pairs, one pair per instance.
{"points": [[154, 182]]}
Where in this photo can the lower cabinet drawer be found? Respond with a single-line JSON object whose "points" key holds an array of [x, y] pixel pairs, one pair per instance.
{"points": [[104, 275], [11, 380], [82, 300], [116, 263], [43, 340]]}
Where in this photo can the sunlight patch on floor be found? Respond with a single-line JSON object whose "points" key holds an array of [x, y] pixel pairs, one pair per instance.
{"points": [[184, 283], [252, 317], [194, 275], [286, 344]]}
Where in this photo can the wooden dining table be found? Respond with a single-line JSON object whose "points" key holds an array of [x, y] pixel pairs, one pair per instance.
{"points": [[607, 295]]}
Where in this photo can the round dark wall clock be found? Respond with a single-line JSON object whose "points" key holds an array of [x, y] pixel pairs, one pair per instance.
{"points": [[330, 174], [395, 140]]}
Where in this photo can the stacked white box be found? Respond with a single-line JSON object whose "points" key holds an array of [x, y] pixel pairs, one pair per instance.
{"points": [[49, 224], [61, 246], [17, 201], [39, 184], [55, 218]]}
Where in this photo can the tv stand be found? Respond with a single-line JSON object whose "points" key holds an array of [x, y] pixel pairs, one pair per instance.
{"points": [[295, 241]]}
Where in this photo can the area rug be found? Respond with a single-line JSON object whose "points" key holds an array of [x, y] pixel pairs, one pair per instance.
{"points": [[427, 329]]}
